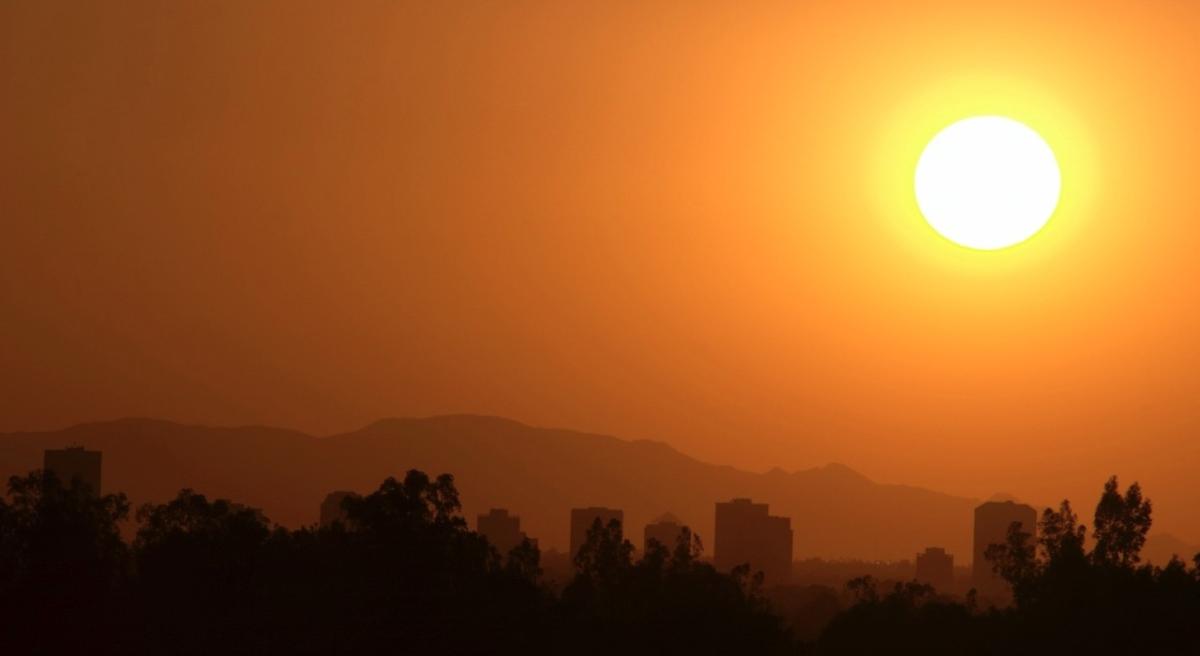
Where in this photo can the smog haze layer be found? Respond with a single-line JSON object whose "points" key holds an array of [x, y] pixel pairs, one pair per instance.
{"points": [[688, 224]]}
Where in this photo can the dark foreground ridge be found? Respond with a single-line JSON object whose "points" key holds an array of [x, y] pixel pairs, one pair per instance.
{"points": [[402, 573]]}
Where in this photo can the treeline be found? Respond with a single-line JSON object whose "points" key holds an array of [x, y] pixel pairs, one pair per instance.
{"points": [[404, 574], [1067, 599]]}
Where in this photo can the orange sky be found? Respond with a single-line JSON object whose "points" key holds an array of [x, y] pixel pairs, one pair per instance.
{"points": [[688, 223]]}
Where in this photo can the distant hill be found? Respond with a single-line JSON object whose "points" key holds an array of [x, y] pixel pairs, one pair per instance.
{"points": [[537, 473], [1161, 546]]}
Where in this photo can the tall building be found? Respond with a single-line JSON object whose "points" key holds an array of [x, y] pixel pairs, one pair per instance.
{"points": [[992, 520], [74, 463], [936, 567], [747, 533], [582, 519], [501, 529], [331, 507], [665, 530]]}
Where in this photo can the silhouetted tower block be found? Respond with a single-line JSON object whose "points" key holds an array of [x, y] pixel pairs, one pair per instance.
{"points": [[331, 507], [501, 529], [665, 530], [582, 519], [74, 463], [936, 567], [747, 533], [992, 520]]}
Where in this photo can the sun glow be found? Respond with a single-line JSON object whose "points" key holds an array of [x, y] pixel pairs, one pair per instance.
{"points": [[987, 182]]}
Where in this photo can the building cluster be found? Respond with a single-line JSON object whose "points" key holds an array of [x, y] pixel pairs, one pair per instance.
{"points": [[993, 520], [746, 532]]}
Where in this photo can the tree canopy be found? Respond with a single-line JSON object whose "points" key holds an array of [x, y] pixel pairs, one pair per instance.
{"points": [[403, 573]]}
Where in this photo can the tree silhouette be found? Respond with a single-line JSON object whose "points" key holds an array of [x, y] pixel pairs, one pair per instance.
{"points": [[62, 561], [1120, 525], [668, 602], [414, 505], [404, 574], [1016, 561], [606, 555], [1061, 536], [908, 619], [202, 561], [687, 549], [1066, 600], [524, 561]]}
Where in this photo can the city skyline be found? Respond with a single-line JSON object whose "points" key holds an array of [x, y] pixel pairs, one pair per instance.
{"points": [[951, 526], [746, 535], [594, 229], [408, 326]]}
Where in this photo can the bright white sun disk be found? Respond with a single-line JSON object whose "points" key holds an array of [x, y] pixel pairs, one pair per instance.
{"points": [[987, 182]]}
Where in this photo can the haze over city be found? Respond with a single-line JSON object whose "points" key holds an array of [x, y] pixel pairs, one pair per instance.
{"points": [[636, 220], [874, 264]]}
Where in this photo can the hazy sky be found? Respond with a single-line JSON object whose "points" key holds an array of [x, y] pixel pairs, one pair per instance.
{"points": [[684, 221]]}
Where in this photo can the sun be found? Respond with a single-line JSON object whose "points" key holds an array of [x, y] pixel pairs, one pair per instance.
{"points": [[987, 182]]}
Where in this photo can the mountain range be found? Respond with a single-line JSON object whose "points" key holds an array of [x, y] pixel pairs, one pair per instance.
{"points": [[537, 473]]}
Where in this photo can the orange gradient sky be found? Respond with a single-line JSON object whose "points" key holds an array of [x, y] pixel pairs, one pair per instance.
{"points": [[685, 221]]}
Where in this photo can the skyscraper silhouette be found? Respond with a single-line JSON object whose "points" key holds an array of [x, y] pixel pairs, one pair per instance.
{"points": [[665, 530], [74, 463], [935, 567], [501, 529], [582, 520], [992, 520], [747, 533]]}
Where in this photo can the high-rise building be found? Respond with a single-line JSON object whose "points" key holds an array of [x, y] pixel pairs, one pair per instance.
{"points": [[501, 529], [936, 567], [74, 463], [331, 507], [582, 520], [747, 533], [665, 530], [992, 521]]}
